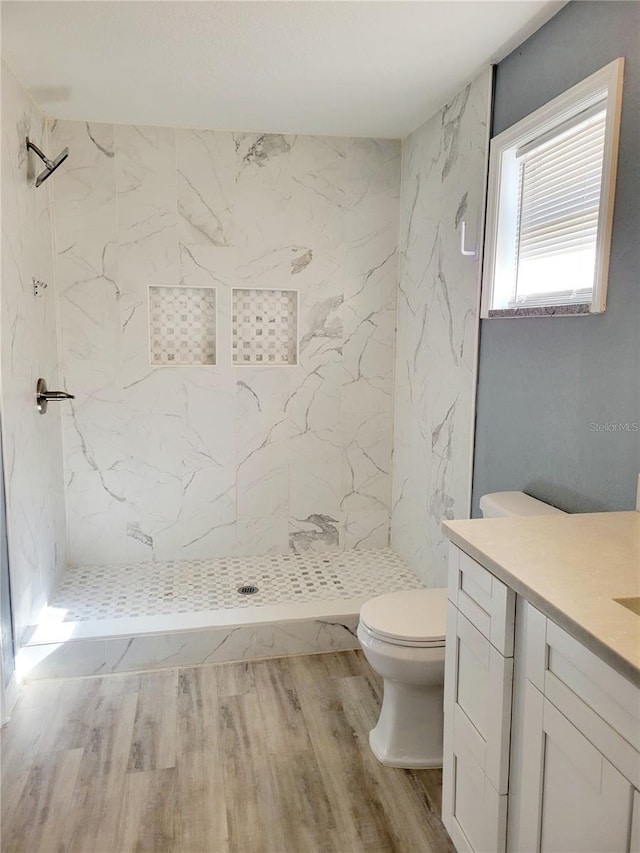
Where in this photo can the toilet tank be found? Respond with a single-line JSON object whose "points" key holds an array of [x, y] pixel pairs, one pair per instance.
{"points": [[511, 504]]}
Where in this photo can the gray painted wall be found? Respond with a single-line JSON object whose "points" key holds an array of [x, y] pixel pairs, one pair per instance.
{"points": [[544, 382]]}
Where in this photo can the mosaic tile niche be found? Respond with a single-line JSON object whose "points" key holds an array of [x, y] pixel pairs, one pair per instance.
{"points": [[182, 325], [265, 326]]}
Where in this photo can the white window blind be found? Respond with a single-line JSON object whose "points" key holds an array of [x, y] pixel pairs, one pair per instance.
{"points": [[560, 176]]}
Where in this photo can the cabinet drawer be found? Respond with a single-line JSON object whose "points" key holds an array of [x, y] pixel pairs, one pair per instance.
{"points": [[604, 705], [478, 684], [485, 601], [473, 812]]}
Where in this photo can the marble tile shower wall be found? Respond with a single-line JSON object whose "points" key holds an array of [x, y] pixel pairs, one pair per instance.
{"points": [[443, 180], [31, 443], [205, 461]]}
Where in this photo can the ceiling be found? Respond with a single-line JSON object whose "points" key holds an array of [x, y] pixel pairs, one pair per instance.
{"points": [[356, 68]]}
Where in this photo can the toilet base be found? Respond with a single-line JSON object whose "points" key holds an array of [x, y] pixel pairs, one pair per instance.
{"points": [[409, 730]]}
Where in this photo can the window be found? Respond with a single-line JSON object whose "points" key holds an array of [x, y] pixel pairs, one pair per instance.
{"points": [[550, 204]]}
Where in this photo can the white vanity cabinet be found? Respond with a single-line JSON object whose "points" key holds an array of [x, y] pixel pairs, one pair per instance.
{"points": [[575, 768], [542, 738]]}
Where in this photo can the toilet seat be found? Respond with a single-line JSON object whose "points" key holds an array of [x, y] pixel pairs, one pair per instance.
{"points": [[415, 617]]}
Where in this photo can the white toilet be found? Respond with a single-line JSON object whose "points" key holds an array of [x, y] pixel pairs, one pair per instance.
{"points": [[402, 636]]}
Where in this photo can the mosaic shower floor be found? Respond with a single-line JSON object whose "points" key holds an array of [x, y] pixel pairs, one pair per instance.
{"points": [[89, 593], [143, 616]]}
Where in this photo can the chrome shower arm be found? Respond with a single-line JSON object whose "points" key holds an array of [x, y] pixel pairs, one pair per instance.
{"points": [[48, 163]]}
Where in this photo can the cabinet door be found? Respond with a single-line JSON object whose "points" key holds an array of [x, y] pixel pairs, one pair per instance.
{"points": [[572, 799]]}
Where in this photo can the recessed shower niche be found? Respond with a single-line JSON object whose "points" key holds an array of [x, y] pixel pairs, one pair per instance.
{"points": [[265, 326], [182, 325]]}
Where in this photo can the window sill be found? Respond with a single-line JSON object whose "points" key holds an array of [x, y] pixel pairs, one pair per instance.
{"points": [[542, 311]]}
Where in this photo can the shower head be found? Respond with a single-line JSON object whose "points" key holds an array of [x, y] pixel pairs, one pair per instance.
{"points": [[51, 165]]}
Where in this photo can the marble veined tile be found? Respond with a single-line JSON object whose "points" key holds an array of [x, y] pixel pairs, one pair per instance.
{"points": [[364, 530], [307, 637], [232, 457], [314, 506], [263, 190], [318, 173], [146, 181], [442, 184], [206, 187], [84, 190], [261, 535]]}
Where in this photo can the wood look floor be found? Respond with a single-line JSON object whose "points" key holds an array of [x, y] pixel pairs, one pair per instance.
{"points": [[257, 757]]}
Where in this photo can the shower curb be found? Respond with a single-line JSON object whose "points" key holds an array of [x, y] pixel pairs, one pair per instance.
{"points": [[158, 650]]}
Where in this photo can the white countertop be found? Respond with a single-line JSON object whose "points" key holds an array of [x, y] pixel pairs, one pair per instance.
{"points": [[570, 567]]}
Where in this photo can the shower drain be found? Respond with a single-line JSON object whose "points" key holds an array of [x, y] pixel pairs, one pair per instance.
{"points": [[248, 589]]}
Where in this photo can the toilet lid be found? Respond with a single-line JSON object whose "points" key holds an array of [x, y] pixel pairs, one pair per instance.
{"points": [[413, 616]]}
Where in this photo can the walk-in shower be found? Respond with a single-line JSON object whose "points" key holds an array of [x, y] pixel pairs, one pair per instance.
{"points": [[227, 328]]}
